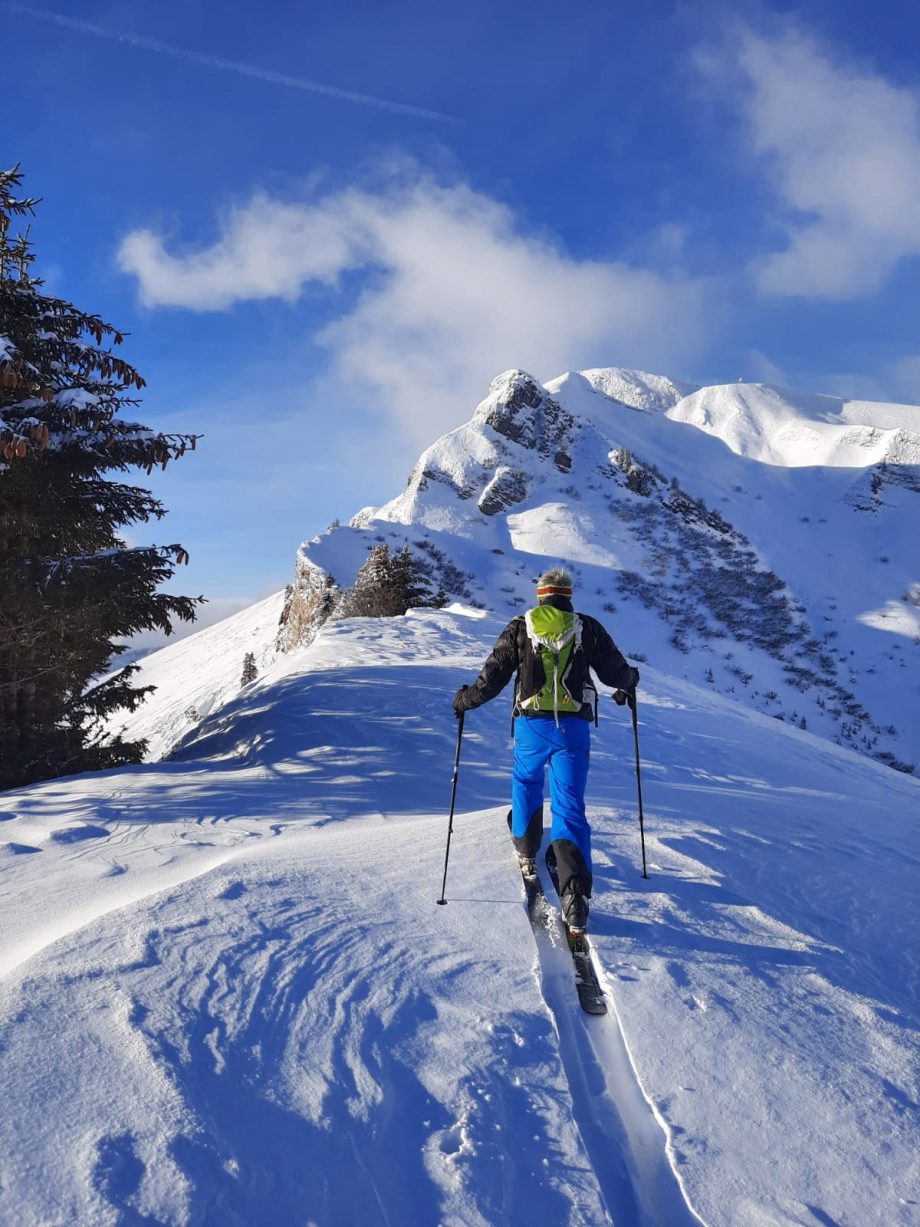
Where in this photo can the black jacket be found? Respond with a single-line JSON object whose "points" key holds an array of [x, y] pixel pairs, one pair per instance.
{"points": [[513, 653]]}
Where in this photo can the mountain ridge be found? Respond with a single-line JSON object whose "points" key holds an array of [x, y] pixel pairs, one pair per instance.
{"points": [[728, 514], [699, 526]]}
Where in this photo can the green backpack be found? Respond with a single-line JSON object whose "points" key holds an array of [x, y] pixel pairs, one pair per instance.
{"points": [[554, 635]]}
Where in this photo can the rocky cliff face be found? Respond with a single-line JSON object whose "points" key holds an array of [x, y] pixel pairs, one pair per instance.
{"points": [[306, 605], [522, 411]]}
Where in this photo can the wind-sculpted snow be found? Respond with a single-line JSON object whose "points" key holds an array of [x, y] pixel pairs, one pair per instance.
{"points": [[239, 1004], [294, 1058]]}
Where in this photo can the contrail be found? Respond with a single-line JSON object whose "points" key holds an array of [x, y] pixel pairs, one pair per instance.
{"points": [[213, 61]]}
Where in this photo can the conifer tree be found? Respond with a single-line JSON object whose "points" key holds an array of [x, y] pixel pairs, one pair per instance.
{"points": [[369, 597], [386, 585], [412, 584], [328, 601], [70, 588], [250, 672]]}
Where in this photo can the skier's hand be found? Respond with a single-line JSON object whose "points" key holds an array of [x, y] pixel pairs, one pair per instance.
{"points": [[628, 693], [461, 701]]}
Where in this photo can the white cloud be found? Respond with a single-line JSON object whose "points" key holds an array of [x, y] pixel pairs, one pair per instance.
{"points": [[845, 146], [268, 249], [453, 293]]}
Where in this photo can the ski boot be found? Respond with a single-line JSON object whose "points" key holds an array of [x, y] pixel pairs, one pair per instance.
{"points": [[575, 908], [528, 845]]}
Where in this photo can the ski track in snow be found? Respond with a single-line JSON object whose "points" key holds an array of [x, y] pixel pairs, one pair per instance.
{"points": [[627, 1142], [228, 996]]}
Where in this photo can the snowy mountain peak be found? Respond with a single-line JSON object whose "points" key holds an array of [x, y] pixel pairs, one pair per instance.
{"points": [[522, 411], [636, 389], [488, 465], [778, 426]]}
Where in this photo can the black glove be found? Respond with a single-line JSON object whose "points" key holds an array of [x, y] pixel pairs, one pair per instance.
{"points": [[627, 694], [462, 700]]}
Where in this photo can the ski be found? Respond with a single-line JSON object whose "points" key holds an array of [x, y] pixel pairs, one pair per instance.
{"points": [[590, 993], [538, 909], [541, 915]]}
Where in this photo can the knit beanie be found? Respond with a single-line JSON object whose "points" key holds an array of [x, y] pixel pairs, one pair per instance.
{"points": [[554, 582]]}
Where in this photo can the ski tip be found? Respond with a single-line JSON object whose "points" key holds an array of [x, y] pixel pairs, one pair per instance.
{"points": [[595, 1007]]}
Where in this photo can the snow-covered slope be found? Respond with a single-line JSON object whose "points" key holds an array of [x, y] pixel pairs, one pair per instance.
{"points": [[228, 996], [198, 674], [756, 540], [791, 429]]}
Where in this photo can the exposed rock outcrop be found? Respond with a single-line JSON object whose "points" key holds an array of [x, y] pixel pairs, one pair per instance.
{"points": [[506, 488], [308, 604], [522, 410]]}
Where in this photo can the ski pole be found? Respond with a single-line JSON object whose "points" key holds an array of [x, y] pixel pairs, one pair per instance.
{"points": [[453, 797], [631, 700]]}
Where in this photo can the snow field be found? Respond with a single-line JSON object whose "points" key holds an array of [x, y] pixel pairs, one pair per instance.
{"points": [[228, 995]]}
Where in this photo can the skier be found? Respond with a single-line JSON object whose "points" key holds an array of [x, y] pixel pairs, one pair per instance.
{"points": [[552, 649]]}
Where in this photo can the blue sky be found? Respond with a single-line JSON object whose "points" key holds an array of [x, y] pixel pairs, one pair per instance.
{"points": [[321, 284]]}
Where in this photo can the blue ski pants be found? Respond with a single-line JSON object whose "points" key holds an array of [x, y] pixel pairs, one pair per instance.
{"points": [[563, 751]]}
